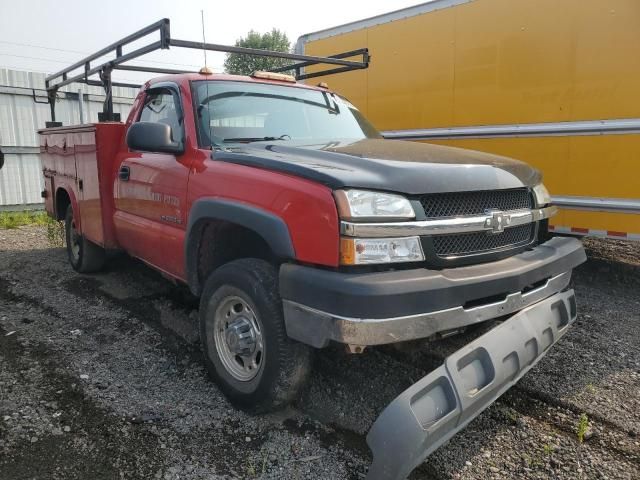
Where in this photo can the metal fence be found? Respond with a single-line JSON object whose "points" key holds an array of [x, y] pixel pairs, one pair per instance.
{"points": [[23, 110]]}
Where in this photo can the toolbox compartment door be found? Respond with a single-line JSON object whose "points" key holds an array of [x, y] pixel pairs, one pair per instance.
{"points": [[81, 160], [88, 185]]}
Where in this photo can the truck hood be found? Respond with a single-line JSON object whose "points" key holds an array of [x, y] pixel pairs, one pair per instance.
{"points": [[389, 165]]}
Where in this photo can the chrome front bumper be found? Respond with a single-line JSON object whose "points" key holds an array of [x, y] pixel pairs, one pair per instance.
{"points": [[439, 405], [322, 306]]}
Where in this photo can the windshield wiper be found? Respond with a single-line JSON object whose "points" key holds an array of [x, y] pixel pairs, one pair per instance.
{"points": [[257, 139]]}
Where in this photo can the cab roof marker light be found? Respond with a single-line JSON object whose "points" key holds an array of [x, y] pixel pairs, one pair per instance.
{"points": [[282, 77]]}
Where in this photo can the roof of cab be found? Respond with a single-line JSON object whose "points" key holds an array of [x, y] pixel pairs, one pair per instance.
{"points": [[185, 78]]}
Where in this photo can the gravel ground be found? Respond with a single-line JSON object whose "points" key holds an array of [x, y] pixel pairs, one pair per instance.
{"points": [[101, 377]]}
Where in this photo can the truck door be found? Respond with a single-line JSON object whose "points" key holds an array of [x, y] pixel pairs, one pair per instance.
{"points": [[151, 189]]}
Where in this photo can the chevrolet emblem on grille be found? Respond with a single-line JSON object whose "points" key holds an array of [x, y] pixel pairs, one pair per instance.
{"points": [[496, 221]]}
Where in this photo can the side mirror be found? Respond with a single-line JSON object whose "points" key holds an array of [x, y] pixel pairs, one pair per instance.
{"points": [[1, 159], [153, 137]]}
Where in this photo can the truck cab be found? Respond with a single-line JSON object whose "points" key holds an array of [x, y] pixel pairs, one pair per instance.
{"points": [[299, 226]]}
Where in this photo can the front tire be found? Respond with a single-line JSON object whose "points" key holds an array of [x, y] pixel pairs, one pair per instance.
{"points": [[84, 256], [247, 351]]}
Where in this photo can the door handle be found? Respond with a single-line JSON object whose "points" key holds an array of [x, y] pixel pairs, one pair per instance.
{"points": [[124, 172]]}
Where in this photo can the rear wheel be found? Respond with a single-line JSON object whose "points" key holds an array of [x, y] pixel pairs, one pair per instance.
{"points": [[246, 347], [84, 256]]}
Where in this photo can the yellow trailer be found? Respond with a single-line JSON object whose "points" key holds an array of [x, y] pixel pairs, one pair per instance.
{"points": [[553, 83]]}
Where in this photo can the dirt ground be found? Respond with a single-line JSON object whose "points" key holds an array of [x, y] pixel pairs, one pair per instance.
{"points": [[101, 377]]}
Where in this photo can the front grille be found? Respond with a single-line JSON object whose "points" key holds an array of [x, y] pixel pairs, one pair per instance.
{"points": [[457, 204], [475, 203], [482, 242]]}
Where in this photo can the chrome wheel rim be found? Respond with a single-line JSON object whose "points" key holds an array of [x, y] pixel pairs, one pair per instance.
{"points": [[74, 240], [237, 335]]}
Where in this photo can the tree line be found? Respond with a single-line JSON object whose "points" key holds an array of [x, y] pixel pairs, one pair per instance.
{"points": [[240, 64]]}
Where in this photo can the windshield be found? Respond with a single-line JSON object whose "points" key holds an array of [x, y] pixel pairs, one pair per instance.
{"points": [[243, 112]]}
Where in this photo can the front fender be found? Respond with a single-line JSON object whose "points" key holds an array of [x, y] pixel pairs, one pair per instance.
{"points": [[269, 226]]}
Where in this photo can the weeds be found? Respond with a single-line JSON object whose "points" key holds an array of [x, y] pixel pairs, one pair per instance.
{"points": [[55, 233], [252, 468], [533, 462], [511, 415], [583, 424], [55, 230], [10, 220]]}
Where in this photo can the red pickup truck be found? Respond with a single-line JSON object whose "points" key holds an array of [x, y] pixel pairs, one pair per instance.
{"points": [[297, 225]]}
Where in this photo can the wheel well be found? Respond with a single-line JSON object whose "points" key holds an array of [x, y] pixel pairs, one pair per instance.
{"points": [[62, 203], [220, 242]]}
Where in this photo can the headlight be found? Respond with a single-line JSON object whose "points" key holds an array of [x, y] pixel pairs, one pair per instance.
{"points": [[360, 251], [542, 195], [365, 205]]}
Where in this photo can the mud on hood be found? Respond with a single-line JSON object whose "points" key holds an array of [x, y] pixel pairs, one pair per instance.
{"points": [[390, 165]]}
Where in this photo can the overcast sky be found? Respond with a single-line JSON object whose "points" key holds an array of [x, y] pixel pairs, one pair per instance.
{"points": [[70, 28]]}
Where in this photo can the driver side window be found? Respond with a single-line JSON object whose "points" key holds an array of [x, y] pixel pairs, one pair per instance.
{"points": [[160, 106]]}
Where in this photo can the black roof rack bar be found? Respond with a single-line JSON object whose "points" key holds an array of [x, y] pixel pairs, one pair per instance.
{"points": [[136, 68], [98, 83], [82, 77], [262, 53], [323, 73], [117, 58], [361, 51], [162, 26]]}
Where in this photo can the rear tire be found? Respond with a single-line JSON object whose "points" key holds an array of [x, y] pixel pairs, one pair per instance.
{"points": [[246, 348], [84, 256]]}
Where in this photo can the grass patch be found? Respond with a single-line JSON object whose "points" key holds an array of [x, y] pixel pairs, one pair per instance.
{"points": [[20, 219], [55, 232], [55, 229], [583, 425]]}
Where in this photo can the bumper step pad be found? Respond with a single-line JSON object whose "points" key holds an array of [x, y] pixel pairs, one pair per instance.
{"points": [[431, 411]]}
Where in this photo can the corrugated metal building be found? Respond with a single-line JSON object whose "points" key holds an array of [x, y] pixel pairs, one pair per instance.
{"points": [[23, 110]]}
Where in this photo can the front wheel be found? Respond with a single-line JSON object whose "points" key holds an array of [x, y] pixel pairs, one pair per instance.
{"points": [[247, 351], [84, 256]]}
